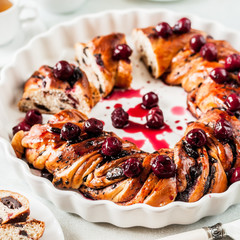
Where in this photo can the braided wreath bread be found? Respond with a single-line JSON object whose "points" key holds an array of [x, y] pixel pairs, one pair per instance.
{"points": [[82, 165], [190, 170], [99, 72]]}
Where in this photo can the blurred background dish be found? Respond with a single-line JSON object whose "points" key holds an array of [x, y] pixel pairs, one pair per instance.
{"points": [[61, 6]]}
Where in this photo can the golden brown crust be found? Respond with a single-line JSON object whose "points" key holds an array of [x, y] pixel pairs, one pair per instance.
{"points": [[50, 95], [104, 72], [17, 144], [165, 49], [189, 69], [210, 95], [120, 70]]}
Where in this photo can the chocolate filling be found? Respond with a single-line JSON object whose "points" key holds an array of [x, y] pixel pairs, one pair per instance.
{"points": [[23, 233], [42, 107], [11, 202], [191, 152], [54, 130], [99, 60], [234, 152]]}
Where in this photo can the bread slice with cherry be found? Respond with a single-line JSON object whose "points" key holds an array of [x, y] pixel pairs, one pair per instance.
{"points": [[52, 89], [105, 60], [13, 207], [157, 45]]}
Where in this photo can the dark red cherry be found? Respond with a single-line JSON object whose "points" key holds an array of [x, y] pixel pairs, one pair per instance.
{"points": [[229, 173], [150, 100], [77, 75], [196, 137], [196, 42], [132, 167], [235, 176], [183, 26], [155, 118], [33, 117], [63, 70], [21, 126], [219, 75], [209, 52], [119, 118], [122, 52], [233, 102], [111, 146], [163, 30], [70, 131], [93, 126], [239, 76], [223, 129], [163, 166], [232, 62]]}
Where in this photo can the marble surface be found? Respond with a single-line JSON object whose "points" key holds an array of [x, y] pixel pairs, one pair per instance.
{"points": [[74, 227]]}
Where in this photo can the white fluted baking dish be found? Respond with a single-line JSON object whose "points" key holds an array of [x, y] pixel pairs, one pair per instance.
{"points": [[57, 44]]}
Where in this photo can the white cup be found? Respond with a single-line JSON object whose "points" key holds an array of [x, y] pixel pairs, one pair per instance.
{"points": [[61, 6], [10, 22]]}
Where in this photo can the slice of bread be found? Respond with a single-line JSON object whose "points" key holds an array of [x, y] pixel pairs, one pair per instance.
{"points": [[13, 207], [43, 91], [31, 229], [157, 52], [96, 60]]}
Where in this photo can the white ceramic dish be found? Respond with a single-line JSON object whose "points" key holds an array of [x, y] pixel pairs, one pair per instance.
{"points": [[42, 213], [57, 44]]}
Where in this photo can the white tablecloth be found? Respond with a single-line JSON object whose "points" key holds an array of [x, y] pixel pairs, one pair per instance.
{"points": [[74, 227]]}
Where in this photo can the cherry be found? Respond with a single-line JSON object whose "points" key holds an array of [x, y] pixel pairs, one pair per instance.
{"points": [[150, 100], [164, 30], [122, 52], [111, 146], [77, 74], [209, 52], [70, 131], [119, 118], [33, 117], [63, 70], [196, 42], [24, 126], [196, 137], [93, 126], [132, 167], [183, 26], [223, 129], [235, 177], [233, 102], [163, 167], [232, 62], [155, 118], [219, 75]]}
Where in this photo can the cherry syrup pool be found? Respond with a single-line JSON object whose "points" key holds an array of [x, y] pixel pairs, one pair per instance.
{"points": [[175, 117]]}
